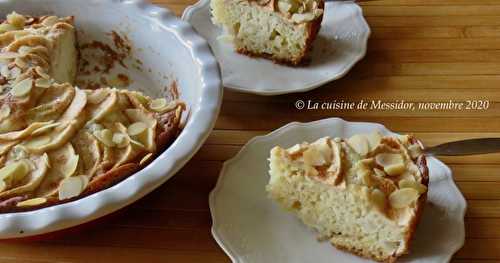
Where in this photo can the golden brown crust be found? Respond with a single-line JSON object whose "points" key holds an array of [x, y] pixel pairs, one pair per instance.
{"points": [[302, 60]]}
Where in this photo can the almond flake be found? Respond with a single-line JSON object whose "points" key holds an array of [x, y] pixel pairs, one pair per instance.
{"points": [[121, 140], [359, 143], [32, 202], [145, 158], [408, 183], [105, 136], [158, 104], [392, 163], [403, 197], [72, 187], [136, 128], [22, 88], [43, 83]]}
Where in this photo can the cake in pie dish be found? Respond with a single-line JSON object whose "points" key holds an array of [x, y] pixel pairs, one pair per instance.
{"points": [[281, 30], [59, 142], [364, 194]]}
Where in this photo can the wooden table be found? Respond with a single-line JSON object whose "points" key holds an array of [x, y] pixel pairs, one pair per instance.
{"points": [[420, 50]]}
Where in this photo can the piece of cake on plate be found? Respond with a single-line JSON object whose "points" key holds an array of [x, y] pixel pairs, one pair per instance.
{"points": [[281, 30], [57, 142], [365, 194]]}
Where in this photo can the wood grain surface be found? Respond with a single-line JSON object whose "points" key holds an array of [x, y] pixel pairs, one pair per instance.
{"points": [[420, 50]]}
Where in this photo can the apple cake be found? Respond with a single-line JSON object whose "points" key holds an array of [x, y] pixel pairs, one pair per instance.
{"points": [[58, 142], [364, 194], [281, 30]]}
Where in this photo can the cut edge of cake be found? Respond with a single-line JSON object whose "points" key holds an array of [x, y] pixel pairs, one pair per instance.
{"points": [[286, 36]]}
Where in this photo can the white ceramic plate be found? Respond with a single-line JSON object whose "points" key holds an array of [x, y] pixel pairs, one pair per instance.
{"points": [[340, 44], [163, 43], [251, 228]]}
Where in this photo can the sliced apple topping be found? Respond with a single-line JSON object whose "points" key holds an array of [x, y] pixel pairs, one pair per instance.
{"points": [[3, 186], [104, 107], [43, 83], [403, 197], [37, 142], [16, 20], [14, 172], [392, 163], [158, 104], [360, 144], [72, 187], [22, 88], [121, 140], [38, 167], [32, 202]]}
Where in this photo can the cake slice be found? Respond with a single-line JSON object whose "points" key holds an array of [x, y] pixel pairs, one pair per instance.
{"points": [[59, 143], [364, 194], [48, 42], [281, 30]]}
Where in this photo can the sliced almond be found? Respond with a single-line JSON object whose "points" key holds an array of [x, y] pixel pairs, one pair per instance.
{"points": [[137, 115], [297, 148], [392, 163], [22, 88], [43, 83], [403, 197], [105, 136], [359, 143], [158, 104], [313, 157], [16, 20], [32, 202], [4, 111], [136, 128], [146, 158], [72, 187], [121, 140], [14, 172], [408, 183]]}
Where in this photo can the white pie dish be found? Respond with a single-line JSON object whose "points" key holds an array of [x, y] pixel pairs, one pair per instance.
{"points": [[252, 228], [168, 46], [341, 43]]}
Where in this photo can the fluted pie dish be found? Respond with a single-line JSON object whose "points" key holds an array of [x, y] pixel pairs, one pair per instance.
{"points": [[69, 154]]}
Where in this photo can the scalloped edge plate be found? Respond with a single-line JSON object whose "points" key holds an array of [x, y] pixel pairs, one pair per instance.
{"points": [[251, 228], [205, 99], [341, 43]]}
